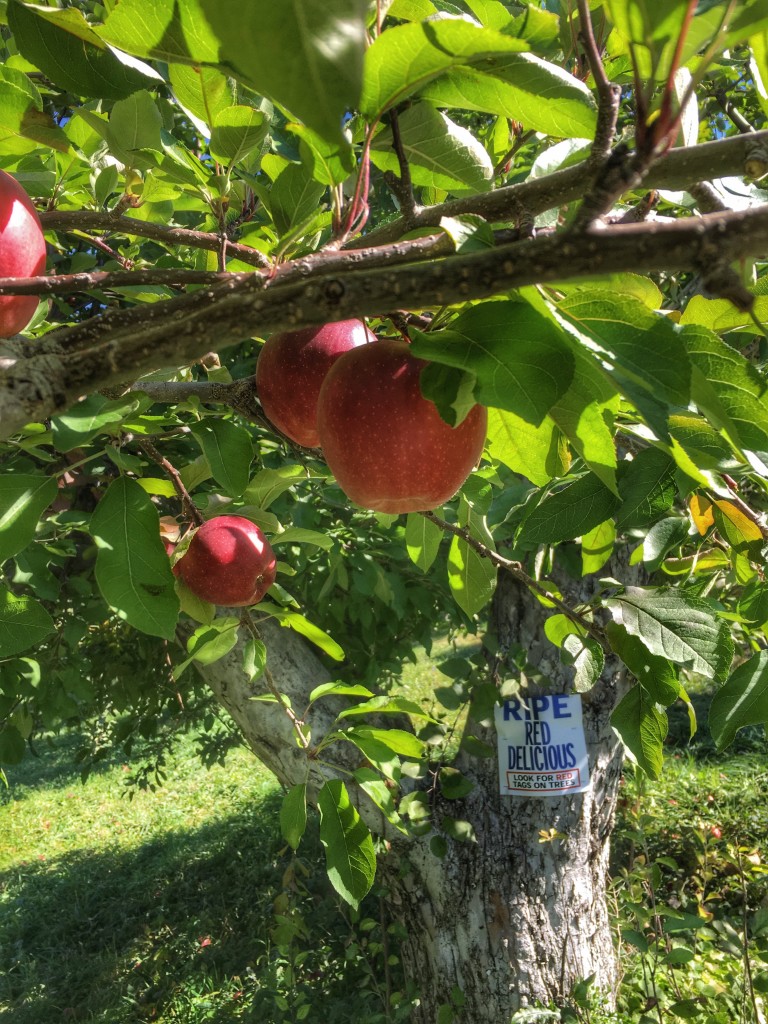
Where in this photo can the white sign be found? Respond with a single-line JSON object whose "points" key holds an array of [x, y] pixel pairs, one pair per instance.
{"points": [[542, 750]]}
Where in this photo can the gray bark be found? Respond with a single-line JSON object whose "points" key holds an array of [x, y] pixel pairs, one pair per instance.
{"points": [[509, 920]]}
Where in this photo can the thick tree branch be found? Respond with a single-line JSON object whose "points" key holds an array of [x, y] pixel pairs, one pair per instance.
{"points": [[97, 220], [41, 377], [676, 170]]}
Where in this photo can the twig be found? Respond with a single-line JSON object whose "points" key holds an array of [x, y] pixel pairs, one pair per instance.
{"points": [[404, 189], [745, 510], [609, 95], [191, 511], [61, 283], [521, 138], [516, 570], [98, 220]]}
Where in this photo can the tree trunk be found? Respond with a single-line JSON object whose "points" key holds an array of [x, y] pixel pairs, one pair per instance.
{"points": [[518, 916]]}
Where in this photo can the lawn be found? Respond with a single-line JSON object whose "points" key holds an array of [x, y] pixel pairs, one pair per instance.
{"points": [[183, 905]]}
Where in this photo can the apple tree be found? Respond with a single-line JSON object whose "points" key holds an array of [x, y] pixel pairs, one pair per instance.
{"points": [[557, 203]]}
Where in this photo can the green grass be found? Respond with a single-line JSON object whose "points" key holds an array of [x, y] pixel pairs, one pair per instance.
{"points": [[182, 905]]}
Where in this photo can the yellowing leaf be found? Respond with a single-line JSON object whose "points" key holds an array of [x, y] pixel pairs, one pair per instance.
{"points": [[701, 513]]}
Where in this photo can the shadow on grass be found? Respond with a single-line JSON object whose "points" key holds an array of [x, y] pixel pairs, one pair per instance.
{"points": [[52, 766], [179, 929]]}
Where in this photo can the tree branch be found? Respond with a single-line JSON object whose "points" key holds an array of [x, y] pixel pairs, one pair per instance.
{"points": [[516, 570], [98, 220], [59, 284], [675, 170], [39, 377]]}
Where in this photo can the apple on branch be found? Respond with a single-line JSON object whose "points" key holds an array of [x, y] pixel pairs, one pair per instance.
{"points": [[386, 444], [228, 562], [22, 252], [290, 371]]}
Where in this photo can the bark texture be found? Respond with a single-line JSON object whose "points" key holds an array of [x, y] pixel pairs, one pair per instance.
{"points": [[516, 918], [512, 920]]}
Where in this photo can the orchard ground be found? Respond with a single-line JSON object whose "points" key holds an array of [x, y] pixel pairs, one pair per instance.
{"points": [[180, 903]]}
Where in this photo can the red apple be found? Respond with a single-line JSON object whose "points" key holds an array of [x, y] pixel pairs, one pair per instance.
{"points": [[384, 442], [22, 252], [229, 562], [291, 368]]}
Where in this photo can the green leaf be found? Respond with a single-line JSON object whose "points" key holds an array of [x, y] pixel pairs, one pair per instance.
{"points": [[331, 162], [298, 535], [377, 789], [349, 853], [24, 126], [538, 453], [676, 626], [522, 87], [24, 623], [269, 484], [385, 705], [657, 675], [396, 740], [132, 568], [23, 499], [662, 538], [728, 390], [441, 154], [237, 131], [343, 689], [454, 785], [642, 729], [585, 414], [254, 658], [469, 233], [471, 577], [570, 512], [422, 540], [406, 58], [65, 48], [305, 57], [293, 815], [597, 546], [229, 451], [741, 701], [644, 352], [586, 656], [702, 443], [753, 604], [294, 196], [302, 625], [720, 315], [647, 487], [134, 126], [204, 91], [520, 359], [94, 415]]}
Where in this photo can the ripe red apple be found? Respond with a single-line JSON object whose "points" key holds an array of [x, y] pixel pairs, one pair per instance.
{"points": [[383, 441], [22, 252], [229, 562], [291, 368]]}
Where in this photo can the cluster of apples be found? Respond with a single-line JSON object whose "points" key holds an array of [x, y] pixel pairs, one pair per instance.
{"points": [[22, 252], [339, 388]]}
